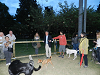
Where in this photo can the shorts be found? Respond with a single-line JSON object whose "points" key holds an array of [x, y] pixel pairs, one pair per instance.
{"points": [[62, 48]]}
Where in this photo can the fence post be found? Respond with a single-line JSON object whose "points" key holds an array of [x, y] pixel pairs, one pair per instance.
{"points": [[54, 46], [14, 49]]}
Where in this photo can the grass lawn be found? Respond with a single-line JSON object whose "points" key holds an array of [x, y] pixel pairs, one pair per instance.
{"points": [[62, 66]]}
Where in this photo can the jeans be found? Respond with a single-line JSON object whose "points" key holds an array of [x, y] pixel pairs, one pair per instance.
{"points": [[98, 54], [36, 51], [8, 56], [76, 47]]}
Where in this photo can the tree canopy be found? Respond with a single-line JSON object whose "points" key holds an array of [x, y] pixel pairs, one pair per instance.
{"points": [[31, 18]]}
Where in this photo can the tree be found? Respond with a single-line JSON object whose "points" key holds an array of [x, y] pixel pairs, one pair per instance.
{"points": [[68, 18], [6, 20], [29, 15]]}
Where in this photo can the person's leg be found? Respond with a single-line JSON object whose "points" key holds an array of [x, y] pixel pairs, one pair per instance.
{"points": [[74, 46], [60, 51], [63, 51], [9, 57], [2, 53], [6, 56], [77, 47], [99, 55], [49, 51], [36, 50], [47, 48], [85, 61], [80, 56], [80, 59]]}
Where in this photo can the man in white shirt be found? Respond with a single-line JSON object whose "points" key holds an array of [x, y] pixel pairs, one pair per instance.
{"points": [[48, 44], [11, 36]]}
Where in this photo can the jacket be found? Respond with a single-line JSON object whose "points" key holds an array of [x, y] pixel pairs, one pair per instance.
{"points": [[49, 38], [75, 40], [62, 39], [84, 43]]}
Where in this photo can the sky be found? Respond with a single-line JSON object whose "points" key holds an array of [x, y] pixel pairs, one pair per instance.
{"points": [[14, 4]]}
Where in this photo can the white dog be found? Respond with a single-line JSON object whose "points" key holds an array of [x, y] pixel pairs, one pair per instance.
{"points": [[70, 51]]}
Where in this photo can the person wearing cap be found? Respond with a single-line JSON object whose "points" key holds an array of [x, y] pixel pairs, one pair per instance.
{"points": [[83, 48], [62, 43]]}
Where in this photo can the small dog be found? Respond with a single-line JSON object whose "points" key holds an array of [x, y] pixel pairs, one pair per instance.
{"points": [[70, 51], [17, 67], [93, 55], [46, 61]]}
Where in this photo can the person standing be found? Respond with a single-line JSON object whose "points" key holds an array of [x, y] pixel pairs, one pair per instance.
{"points": [[37, 38], [62, 43], [7, 45], [75, 43], [11, 38], [98, 46], [2, 39], [48, 44], [83, 48]]}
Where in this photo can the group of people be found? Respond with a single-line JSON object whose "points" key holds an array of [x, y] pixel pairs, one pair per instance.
{"points": [[6, 46], [48, 43], [80, 44]]}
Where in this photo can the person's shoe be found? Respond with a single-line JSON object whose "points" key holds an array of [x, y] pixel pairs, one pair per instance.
{"points": [[13, 58], [7, 64], [85, 66], [97, 63], [60, 56]]}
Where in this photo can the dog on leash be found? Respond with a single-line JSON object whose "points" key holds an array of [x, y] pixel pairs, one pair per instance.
{"points": [[70, 51], [45, 62], [93, 55], [17, 67]]}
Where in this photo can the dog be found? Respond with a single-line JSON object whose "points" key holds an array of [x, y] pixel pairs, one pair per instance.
{"points": [[93, 55], [17, 67], [70, 51], [45, 62]]}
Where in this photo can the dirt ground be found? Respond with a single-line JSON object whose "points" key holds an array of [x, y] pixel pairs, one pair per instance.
{"points": [[62, 66]]}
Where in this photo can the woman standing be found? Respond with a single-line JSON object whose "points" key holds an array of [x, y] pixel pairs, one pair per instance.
{"points": [[37, 38], [83, 48], [98, 47], [7, 45]]}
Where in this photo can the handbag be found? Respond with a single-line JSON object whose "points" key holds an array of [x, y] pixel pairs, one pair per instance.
{"points": [[34, 45], [10, 49], [38, 45]]}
